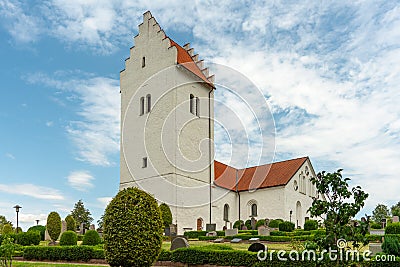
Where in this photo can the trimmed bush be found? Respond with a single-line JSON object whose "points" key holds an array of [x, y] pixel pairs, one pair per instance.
{"points": [[71, 223], [165, 255], [391, 246], [133, 229], [54, 225], [40, 228], [286, 226], [91, 238], [375, 225], [68, 238], [278, 233], [248, 224], [275, 223], [392, 228], [166, 215], [310, 225], [238, 223], [260, 223], [55, 253], [28, 238], [194, 234]]}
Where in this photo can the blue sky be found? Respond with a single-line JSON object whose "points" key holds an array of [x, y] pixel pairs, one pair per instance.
{"points": [[330, 72]]}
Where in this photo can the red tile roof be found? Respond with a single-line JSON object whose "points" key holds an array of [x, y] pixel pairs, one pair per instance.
{"points": [[186, 60], [268, 175]]}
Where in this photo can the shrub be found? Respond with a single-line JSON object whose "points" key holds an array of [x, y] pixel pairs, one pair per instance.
{"points": [[286, 226], [278, 233], [7, 229], [194, 234], [40, 228], [133, 229], [238, 223], [275, 223], [28, 238], [80, 237], [248, 224], [166, 215], [71, 223], [375, 225], [165, 255], [54, 225], [393, 228], [260, 223], [68, 238], [91, 238], [310, 225], [391, 246], [64, 253]]}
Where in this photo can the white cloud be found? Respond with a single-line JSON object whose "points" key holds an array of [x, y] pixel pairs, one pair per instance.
{"points": [[80, 180], [104, 201], [10, 156], [31, 218], [31, 190], [49, 123]]}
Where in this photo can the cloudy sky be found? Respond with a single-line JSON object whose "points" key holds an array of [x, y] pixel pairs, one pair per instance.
{"points": [[329, 70]]}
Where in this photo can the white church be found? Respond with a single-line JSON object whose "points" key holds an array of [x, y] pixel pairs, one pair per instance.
{"points": [[167, 133]]}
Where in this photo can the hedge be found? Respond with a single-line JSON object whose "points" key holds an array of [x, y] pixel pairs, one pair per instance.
{"points": [[66, 253], [24, 238], [196, 234], [393, 228]]}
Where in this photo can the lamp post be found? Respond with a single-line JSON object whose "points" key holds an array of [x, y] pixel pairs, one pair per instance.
{"points": [[17, 207], [37, 222], [290, 215]]}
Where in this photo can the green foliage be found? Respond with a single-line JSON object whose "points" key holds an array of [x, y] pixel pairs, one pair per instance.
{"points": [[395, 209], [40, 228], [62, 253], [54, 225], [286, 226], [194, 234], [310, 225], [7, 229], [238, 223], [165, 255], [391, 246], [91, 238], [248, 224], [260, 223], [71, 223], [100, 222], [7, 249], [68, 238], [380, 212], [275, 223], [133, 229], [375, 225], [28, 238], [339, 205], [278, 233], [3, 221], [81, 214], [393, 228], [166, 215]]}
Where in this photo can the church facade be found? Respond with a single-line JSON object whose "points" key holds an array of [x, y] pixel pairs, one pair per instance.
{"points": [[167, 133]]}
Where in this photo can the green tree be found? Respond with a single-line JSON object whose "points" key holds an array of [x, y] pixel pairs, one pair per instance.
{"points": [[166, 215], [100, 222], [7, 249], [81, 214], [380, 212], [132, 229], [338, 206], [71, 224], [53, 225], [7, 229], [3, 221], [396, 209], [40, 228]]}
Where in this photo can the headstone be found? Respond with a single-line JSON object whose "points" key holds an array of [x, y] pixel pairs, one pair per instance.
{"points": [[173, 229], [212, 233], [47, 236], [167, 231], [264, 231], [395, 219], [375, 248], [256, 247], [231, 232], [377, 232], [82, 229], [267, 221], [254, 239], [92, 227], [219, 240], [63, 226], [253, 223], [244, 227], [179, 242], [211, 227], [236, 240]]}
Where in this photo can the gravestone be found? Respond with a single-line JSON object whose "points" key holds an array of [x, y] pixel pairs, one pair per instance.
{"points": [[264, 231], [63, 226], [211, 227], [212, 233], [256, 247], [92, 227], [173, 228], [244, 227], [253, 223], [267, 221], [219, 240], [231, 232], [375, 248], [254, 239], [82, 229], [179, 242], [167, 231], [47, 236], [395, 219], [236, 240]]}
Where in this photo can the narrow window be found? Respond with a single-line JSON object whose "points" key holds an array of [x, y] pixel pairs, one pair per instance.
{"points": [[148, 97], [144, 162], [141, 106], [226, 213], [143, 62], [197, 107], [254, 210], [192, 103]]}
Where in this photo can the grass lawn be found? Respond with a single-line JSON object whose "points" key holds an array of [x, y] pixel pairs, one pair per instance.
{"points": [[240, 246], [43, 264]]}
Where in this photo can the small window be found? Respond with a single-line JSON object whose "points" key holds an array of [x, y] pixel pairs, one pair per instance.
{"points": [[197, 107], [144, 163], [148, 97], [192, 104], [254, 210], [226, 213], [143, 62], [141, 106]]}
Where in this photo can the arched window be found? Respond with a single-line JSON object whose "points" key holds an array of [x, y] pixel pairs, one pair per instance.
{"points": [[192, 104], [304, 185], [148, 97], [226, 213], [254, 210], [197, 107], [143, 62], [141, 111]]}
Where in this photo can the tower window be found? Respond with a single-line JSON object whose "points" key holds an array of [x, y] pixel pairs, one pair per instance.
{"points": [[143, 62], [148, 97], [192, 104], [144, 162], [141, 112], [197, 107]]}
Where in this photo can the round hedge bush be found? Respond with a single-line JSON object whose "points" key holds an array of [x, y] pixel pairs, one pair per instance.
{"points": [[71, 224], [259, 223], [68, 238], [275, 223], [166, 215], [392, 228], [310, 225], [286, 226], [40, 228], [54, 225], [133, 229], [91, 238], [238, 223]]}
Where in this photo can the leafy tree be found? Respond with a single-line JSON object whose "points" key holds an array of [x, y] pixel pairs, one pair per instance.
{"points": [[132, 229], [380, 212], [71, 224], [100, 222], [166, 215], [7, 249], [40, 228], [81, 214], [7, 229], [54, 225], [338, 206], [3, 221], [396, 209], [91, 238]]}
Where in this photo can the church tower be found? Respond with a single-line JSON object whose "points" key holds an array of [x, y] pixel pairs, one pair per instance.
{"points": [[167, 131]]}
